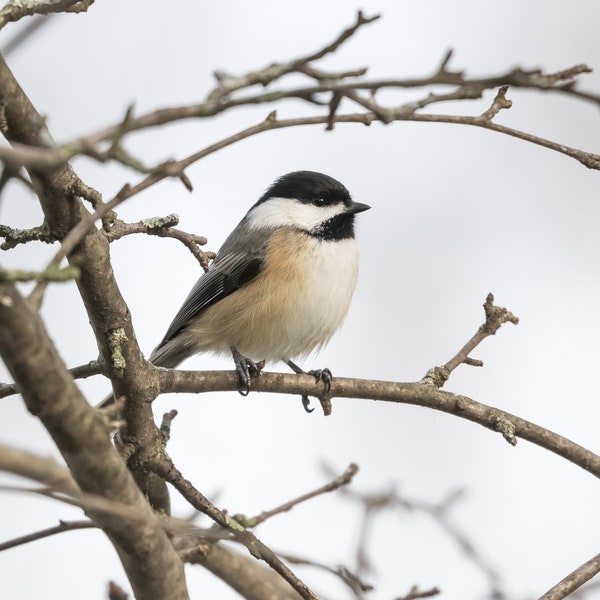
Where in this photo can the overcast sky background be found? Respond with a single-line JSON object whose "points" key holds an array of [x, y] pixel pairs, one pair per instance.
{"points": [[457, 213]]}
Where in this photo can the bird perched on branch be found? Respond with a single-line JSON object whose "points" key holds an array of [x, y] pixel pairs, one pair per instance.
{"points": [[280, 285]]}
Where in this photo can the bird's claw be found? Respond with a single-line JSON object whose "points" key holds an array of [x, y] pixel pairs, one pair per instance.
{"points": [[324, 376], [246, 369], [320, 375], [306, 404]]}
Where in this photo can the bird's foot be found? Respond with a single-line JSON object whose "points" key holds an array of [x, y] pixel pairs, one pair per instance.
{"points": [[246, 369], [323, 375], [320, 375]]}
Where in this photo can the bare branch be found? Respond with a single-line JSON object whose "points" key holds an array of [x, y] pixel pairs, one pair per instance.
{"points": [[81, 436], [414, 593], [251, 579], [374, 503], [17, 9], [590, 160], [38, 535], [14, 237], [495, 317], [167, 470], [265, 76], [81, 372], [352, 580], [345, 35], [574, 580], [418, 394], [162, 227], [41, 469], [344, 479], [500, 102], [220, 100], [51, 273]]}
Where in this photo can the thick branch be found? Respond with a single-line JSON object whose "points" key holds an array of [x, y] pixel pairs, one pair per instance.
{"points": [[250, 579], [80, 434], [154, 569]]}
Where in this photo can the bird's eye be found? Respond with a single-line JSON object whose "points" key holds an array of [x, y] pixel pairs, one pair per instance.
{"points": [[318, 201]]}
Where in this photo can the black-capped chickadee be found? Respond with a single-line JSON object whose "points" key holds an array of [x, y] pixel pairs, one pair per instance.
{"points": [[280, 285]]}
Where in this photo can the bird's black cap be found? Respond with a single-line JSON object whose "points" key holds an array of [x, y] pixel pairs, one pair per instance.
{"points": [[309, 187]]}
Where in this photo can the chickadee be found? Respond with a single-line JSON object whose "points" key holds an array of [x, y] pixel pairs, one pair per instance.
{"points": [[280, 285]]}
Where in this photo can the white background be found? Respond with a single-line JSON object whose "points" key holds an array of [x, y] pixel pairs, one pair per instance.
{"points": [[457, 213]]}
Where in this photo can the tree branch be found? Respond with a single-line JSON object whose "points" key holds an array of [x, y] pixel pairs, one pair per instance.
{"points": [[15, 10], [165, 468], [49, 390], [574, 580], [81, 372], [344, 479], [226, 95], [418, 394], [495, 317], [162, 227], [39, 535], [80, 434]]}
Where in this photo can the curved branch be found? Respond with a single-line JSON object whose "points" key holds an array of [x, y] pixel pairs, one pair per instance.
{"points": [[418, 394], [175, 168]]}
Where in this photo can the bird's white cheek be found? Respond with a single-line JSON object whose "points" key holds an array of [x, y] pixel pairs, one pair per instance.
{"points": [[286, 212]]}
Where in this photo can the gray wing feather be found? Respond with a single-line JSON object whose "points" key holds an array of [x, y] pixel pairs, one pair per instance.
{"points": [[239, 260]]}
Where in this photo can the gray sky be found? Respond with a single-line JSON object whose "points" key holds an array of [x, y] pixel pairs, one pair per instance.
{"points": [[457, 213]]}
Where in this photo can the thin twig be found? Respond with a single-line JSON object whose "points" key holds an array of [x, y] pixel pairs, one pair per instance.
{"points": [[38, 535], [270, 123], [352, 580], [80, 372], [344, 479], [466, 89], [374, 503], [116, 592], [495, 317], [415, 593], [162, 227]]}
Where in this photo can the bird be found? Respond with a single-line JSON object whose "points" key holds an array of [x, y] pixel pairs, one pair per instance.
{"points": [[281, 284]]}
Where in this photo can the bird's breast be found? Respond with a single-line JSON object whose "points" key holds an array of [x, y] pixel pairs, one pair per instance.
{"points": [[294, 305]]}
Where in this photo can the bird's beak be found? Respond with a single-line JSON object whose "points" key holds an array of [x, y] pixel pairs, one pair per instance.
{"points": [[357, 207]]}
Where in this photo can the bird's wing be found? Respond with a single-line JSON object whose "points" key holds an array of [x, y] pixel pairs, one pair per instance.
{"points": [[236, 264], [219, 282]]}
